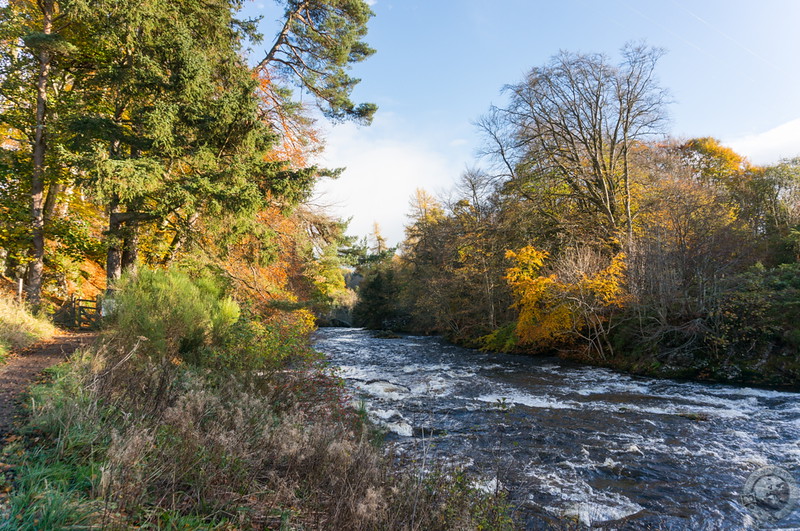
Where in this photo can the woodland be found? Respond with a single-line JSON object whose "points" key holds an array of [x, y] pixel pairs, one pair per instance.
{"points": [[152, 159], [126, 145], [585, 230]]}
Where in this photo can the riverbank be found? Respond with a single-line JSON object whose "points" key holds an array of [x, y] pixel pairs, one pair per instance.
{"points": [[193, 412], [760, 369], [748, 335]]}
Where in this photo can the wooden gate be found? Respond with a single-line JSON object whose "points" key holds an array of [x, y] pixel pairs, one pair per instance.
{"points": [[79, 313]]}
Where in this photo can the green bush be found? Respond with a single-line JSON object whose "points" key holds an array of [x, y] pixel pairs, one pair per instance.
{"points": [[179, 316], [759, 308], [503, 339]]}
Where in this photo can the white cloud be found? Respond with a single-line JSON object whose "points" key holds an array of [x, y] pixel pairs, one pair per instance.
{"points": [[384, 165], [770, 146]]}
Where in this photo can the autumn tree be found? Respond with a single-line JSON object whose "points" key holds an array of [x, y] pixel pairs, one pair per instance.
{"points": [[688, 237], [569, 127], [561, 302], [31, 46], [764, 197], [166, 126], [453, 260]]}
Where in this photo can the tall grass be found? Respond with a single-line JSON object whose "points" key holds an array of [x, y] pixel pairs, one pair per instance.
{"points": [[231, 429], [19, 328]]}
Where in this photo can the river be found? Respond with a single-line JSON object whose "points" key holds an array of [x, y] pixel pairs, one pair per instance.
{"points": [[570, 444]]}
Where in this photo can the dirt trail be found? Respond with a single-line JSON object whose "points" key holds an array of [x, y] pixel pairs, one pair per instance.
{"points": [[23, 370]]}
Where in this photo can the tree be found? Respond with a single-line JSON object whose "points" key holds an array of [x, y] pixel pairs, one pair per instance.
{"points": [[317, 43], [558, 307], [765, 197], [162, 127], [378, 305], [453, 261], [171, 126], [44, 56], [569, 128], [32, 44]]}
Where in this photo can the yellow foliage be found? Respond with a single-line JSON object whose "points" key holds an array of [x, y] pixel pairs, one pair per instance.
{"points": [[608, 285], [552, 310]]}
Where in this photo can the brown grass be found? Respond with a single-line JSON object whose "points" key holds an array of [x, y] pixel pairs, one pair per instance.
{"points": [[251, 454]]}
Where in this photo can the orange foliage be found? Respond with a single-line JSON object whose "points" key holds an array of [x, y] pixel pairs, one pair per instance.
{"points": [[712, 161], [271, 276], [266, 278], [298, 140]]}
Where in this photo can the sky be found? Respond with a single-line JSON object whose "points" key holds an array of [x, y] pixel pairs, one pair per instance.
{"points": [[731, 67]]}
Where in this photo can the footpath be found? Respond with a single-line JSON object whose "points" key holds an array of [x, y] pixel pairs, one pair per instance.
{"points": [[25, 368]]}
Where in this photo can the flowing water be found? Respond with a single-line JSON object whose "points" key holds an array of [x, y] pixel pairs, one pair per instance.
{"points": [[571, 443]]}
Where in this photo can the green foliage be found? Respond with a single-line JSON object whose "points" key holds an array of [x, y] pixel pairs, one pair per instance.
{"points": [[504, 339], [264, 344], [318, 43], [759, 311], [377, 307], [178, 316]]}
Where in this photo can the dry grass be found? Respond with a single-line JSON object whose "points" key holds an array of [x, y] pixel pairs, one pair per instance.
{"points": [[18, 328], [240, 455]]}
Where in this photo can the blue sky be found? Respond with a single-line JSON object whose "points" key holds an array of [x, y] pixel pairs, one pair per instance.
{"points": [[731, 66]]}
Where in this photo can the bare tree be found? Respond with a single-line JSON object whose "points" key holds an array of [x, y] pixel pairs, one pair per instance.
{"points": [[569, 127]]}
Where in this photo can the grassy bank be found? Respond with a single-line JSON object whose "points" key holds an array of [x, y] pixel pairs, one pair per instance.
{"points": [[192, 412], [19, 329]]}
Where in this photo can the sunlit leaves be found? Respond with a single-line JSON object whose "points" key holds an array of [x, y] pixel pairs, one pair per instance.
{"points": [[554, 310]]}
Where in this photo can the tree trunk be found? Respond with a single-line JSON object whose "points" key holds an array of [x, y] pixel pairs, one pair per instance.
{"points": [[36, 266], [179, 240], [51, 201], [114, 256], [626, 177], [130, 247]]}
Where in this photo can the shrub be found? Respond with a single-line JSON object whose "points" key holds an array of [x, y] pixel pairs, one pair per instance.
{"points": [[175, 313], [223, 456], [194, 413], [758, 307], [263, 343]]}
